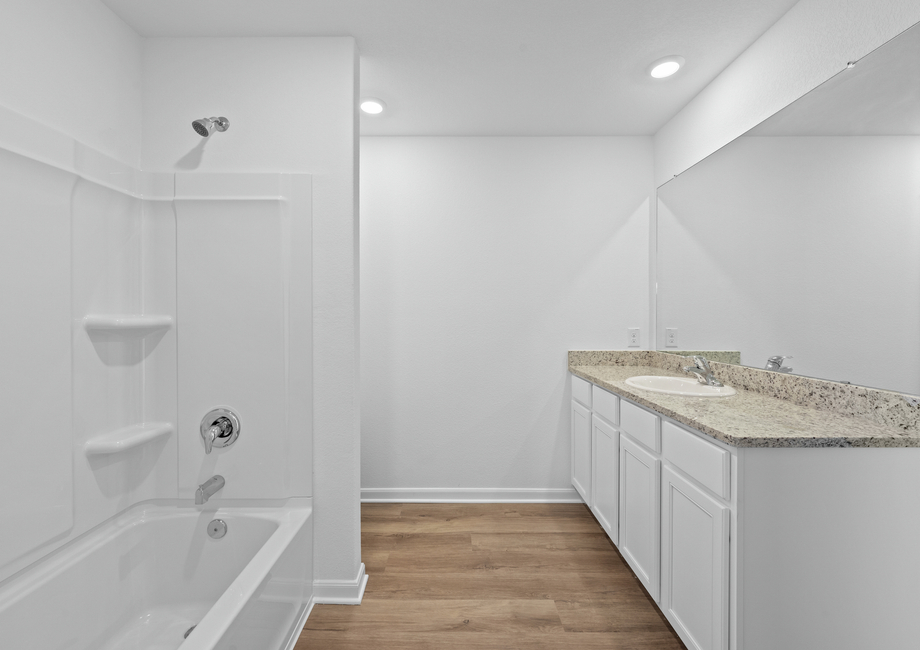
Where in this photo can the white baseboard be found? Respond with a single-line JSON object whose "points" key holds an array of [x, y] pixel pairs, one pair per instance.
{"points": [[469, 495], [295, 632], [340, 592]]}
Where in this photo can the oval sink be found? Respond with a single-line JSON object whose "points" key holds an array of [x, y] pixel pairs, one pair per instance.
{"points": [[679, 386]]}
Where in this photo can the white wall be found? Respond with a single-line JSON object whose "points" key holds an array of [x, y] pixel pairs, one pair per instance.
{"points": [[291, 106], [807, 46], [483, 261], [75, 66], [801, 246]]}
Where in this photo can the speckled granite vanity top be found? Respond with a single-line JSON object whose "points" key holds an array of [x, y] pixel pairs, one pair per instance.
{"points": [[770, 409]]}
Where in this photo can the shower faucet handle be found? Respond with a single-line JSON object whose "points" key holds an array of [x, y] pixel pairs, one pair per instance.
{"points": [[219, 428]]}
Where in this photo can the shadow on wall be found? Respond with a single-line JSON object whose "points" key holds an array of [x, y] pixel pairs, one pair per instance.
{"points": [[192, 160], [119, 475], [115, 350]]}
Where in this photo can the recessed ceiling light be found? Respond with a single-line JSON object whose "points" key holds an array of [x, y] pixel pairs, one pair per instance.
{"points": [[372, 105], [665, 67]]}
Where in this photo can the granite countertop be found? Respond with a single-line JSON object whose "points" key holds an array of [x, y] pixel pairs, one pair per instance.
{"points": [[749, 418]]}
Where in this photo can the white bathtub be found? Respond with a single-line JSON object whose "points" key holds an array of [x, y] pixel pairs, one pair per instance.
{"points": [[142, 579]]}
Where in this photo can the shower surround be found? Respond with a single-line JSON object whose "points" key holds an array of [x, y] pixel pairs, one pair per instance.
{"points": [[137, 302]]}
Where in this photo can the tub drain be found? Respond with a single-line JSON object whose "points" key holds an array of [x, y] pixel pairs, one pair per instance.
{"points": [[217, 528], [188, 631]]}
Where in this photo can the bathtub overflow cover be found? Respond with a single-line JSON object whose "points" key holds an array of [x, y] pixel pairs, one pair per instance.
{"points": [[217, 528]]}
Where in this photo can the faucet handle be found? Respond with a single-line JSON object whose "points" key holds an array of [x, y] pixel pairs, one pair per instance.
{"points": [[701, 362], [209, 438], [775, 363], [702, 371]]}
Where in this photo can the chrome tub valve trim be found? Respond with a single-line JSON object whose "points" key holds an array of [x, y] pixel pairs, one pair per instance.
{"points": [[219, 428]]}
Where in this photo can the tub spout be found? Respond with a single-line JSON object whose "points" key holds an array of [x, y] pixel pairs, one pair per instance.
{"points": [[207, 489]]}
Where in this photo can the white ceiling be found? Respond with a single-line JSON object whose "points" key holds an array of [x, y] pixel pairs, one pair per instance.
{"points": [[498, 67]]}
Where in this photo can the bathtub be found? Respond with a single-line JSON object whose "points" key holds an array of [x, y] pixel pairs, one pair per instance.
{"points": [[142, 579]]}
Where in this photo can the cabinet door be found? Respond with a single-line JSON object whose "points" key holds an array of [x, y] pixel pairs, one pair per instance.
{"points": [[606, 470], [639, 512], [694, 563], [581, 451]]}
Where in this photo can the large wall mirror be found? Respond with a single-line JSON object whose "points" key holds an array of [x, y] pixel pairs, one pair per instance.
{"points": [[801, 238]]}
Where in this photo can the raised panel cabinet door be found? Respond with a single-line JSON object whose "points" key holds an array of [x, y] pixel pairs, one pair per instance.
{"points": [[694, 563], [581, 451], [606, 470], [640, 476]]}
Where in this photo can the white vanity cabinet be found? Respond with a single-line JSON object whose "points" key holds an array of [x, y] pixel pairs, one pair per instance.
{"points": [[663, 495], [595, 449], [640, 502], [694, 562], [782, 545], [606, 475], [582, 459], [695, 528], [606, 439]]}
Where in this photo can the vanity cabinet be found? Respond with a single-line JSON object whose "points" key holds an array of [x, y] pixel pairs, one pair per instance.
{"points": [[694, 562], [640, 502], [606, 475], [661, 493], [781, 544], [582, 459]]}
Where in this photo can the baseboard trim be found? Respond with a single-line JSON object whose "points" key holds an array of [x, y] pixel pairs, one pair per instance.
{"points": [[340, 592], [469, 495], [297, 629]]}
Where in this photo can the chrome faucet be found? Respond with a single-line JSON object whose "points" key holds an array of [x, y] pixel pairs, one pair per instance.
{"points": [[207, 489], [702, 371], [776, 364]]}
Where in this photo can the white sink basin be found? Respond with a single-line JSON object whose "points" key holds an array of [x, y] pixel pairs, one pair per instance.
{"points": [[679, 386]]}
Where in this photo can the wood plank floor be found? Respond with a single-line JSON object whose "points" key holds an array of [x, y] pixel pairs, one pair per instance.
{"points": [[484, 576]]}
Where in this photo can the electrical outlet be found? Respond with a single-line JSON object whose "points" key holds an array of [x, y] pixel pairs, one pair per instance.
{"points": [[670, 337], [632, 335]]}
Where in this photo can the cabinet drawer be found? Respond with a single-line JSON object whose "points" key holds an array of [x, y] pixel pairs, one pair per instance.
{"points": [[640, 424], [703, 461], [607, 405], [581, 390]]}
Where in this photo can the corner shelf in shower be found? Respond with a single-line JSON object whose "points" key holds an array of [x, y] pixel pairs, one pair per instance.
{"points": [[127, 438], [128, 325]]}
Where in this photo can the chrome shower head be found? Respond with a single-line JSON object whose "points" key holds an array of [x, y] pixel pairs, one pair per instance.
{"points": [[206, 125]]}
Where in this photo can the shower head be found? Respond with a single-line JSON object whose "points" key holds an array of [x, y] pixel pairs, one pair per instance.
{"points": [[206, 125]]}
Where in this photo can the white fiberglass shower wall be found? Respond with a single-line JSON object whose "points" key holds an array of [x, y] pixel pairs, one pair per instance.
{"points": [[88, 345], [136, 302], [245, 334], [105, 383]]}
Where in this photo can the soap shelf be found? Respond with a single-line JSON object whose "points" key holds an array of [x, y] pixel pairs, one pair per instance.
{"points": [[139, 325], [127, 438]]}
